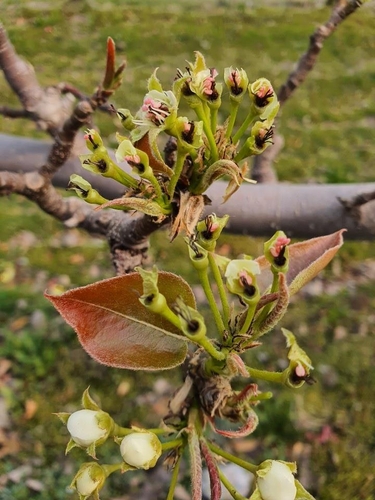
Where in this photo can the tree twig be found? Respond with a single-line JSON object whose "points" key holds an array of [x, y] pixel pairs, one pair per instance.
{"points": [[262, 169], [308, 60]]}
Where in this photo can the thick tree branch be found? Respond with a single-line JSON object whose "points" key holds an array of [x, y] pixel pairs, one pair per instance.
{"points": [[301, 210], [127, 235]]}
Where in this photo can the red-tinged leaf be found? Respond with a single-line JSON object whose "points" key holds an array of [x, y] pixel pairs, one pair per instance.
{"points": [[156, 161], [306, 260], [249, 427], [117, 330], [110, 67]]}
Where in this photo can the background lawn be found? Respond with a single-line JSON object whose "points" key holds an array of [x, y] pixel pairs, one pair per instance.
{"points": [[328, 128]]}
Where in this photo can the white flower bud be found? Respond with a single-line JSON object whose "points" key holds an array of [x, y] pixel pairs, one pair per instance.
{"points": [[141, 449], [276, 482], [84, 429], [85, 484], [89, 480]]}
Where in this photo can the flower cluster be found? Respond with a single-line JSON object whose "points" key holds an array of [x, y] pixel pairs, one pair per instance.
{"points": [[147, 319], [200, 150], [90, 428]]}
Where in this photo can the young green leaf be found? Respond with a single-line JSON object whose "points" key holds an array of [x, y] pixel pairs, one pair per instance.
{"points": [[117, 330]]}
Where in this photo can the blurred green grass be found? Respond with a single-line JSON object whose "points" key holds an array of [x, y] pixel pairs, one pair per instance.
{"points": [[328, 130]]}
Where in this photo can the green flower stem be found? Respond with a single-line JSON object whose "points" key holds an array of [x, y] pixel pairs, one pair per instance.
{"points": [[170, 316], [250, 117], [116, 173], [267, 308], [242, 153], [174, 479], [229, 486], [220, 285], [110, 468], [175, 443], [277, 377], [210, 349], [179, 165], [234, 106], [214, 120], [207, 130], [157, 431], [249, 318], [232, 458], [202, 273], [153, 180], [121, 431]]}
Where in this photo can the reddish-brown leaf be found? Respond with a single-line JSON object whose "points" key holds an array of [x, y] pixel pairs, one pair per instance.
{"points": [[110, 66], [117, 330]]}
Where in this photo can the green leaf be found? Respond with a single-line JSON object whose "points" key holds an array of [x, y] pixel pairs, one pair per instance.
{"points": [[117, 330], [143, 205]]}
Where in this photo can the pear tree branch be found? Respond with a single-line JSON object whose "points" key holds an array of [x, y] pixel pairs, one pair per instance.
{"points": [[262, 170]]}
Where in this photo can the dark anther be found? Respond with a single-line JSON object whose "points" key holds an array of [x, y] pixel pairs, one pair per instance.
{"points": [[295, 379], [261, 102], [280, 260], [102, 165], [235, 89], [121, 115], [249, 289], [149, 299], [208, 233], [193, 326], [92, 141], [189, 135], [261, 140], [194, 247]]}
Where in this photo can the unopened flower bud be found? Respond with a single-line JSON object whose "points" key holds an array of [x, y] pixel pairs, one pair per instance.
{"points": [[275, 481], [141, 449], [89, 479], [89, 426]]}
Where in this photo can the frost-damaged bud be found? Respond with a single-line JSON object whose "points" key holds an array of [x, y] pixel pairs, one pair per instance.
{"points": [[93, 139], [198, 255], [89, 480], [191, 321], [237, 81], [203, 84], [127, 119], [300, 364], [84, 190], [88, 427], [136, 158], [260, 138], [189, 134], [276, 251], [264, 99], [275, 480], [209, 230], [241, 279], [141, 449], [151, 298]]}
